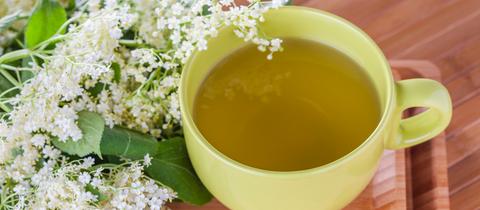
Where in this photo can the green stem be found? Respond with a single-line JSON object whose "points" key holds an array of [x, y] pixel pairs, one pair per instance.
{"points": [[5, 108], [105, 166], [150, 79], [9, 77], [128, 42], [131, 43], [14, 55], [66, 23], [19, 78], [40, 56], [44, 44], [7, 91], [13, 68]]}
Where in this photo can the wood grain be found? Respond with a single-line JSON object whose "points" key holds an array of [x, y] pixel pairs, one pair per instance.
{"points": [[470, 143], [414, 41], [464, 114], [467, 198], [430, 184], [396, 18], [459, 59], [462, 87]]}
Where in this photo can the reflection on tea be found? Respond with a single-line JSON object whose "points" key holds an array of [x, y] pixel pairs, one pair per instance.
{"points": [[307, 107]]}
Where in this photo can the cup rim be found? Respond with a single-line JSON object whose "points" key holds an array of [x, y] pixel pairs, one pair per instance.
{"points": [[188, 122]]}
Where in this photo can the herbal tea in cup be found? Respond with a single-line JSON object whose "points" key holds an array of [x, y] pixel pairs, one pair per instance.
{"points": [[308, 106]]}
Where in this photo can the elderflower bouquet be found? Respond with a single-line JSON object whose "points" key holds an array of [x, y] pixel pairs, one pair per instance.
{"points": [[90, 117]]}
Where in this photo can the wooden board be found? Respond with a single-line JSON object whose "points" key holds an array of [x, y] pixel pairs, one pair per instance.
{"points": [[427, 175]]}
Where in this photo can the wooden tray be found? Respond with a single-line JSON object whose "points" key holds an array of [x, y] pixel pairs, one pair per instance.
{"points": [[405, 179], [427, 175]]}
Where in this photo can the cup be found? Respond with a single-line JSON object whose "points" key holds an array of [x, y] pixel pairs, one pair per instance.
{"points": [[330, 186]]}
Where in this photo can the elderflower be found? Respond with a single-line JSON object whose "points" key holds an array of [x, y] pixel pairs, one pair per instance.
{"points": [[132, 190], [147, 160], [84, 178]]}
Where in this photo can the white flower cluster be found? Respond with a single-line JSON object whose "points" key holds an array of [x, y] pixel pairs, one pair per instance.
{"points": [[85, 54], [186, 25], [132, 190], [245, 21], [75, 186], [130, 80], [58, 188]]}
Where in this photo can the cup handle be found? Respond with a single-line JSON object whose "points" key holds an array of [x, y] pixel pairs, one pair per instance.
{"points": [[421, 127]]}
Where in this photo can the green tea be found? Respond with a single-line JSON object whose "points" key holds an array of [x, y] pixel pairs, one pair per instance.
{"points": [[307, 107]]}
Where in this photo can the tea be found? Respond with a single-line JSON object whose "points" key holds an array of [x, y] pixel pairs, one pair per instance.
{"points": [[307, 107]]}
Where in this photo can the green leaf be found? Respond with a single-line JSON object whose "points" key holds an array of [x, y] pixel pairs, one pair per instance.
{"points": [[112, 159], [171, 166], [92, 126], [7, 82], [26, 75], [126, 143], [289, 2], [6, 107], [170, 163], [17, 151], [26, 62], [46, 20], [116, 72], [95, 90], [100, 196], [71, 6], [14, 56], [205, 10], [6, 85]]}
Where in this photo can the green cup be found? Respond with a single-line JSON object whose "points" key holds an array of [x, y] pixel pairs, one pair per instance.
{"points": [[334, 185]]}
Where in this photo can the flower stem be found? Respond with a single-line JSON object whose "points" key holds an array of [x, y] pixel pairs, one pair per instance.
{"points": [[13, 68], [5, 92], [5, 108], [104, 165], [9, 77], [132, 43], [44, 44], [14, 55]]}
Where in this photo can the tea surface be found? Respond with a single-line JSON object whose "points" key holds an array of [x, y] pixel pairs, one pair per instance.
{"points": [[307, 107]]}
